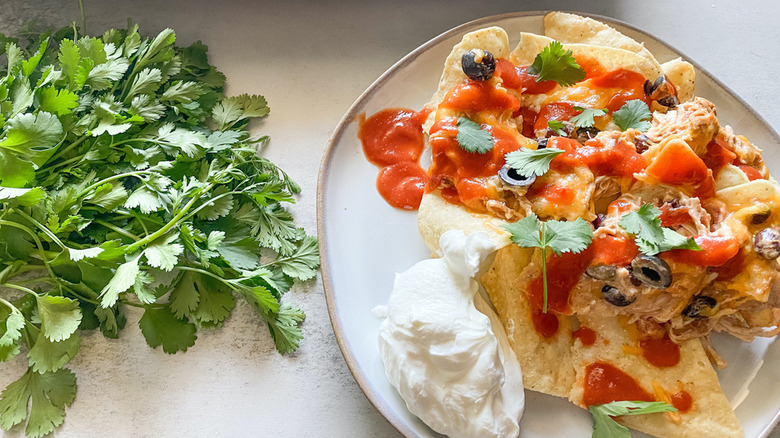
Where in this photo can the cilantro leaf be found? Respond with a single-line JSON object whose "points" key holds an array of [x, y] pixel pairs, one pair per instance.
{"points": [[60, 316], [604, 426], [585, 118], [559, 236], [529, 162], [127, 175], [472, 138], [650, 236], [50, 393], [123, 278], [47, 355], [61, 102], [554, 63], [634, 114], [164, 254], [11, 330], [557, 127], [303, 263], [160, 327]]}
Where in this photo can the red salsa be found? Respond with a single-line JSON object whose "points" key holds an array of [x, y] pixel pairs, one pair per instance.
{"points": [[605, 383], [662, 353]]}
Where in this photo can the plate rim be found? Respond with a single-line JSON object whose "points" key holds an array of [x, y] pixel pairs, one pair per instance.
{"points": [[387, 412]]}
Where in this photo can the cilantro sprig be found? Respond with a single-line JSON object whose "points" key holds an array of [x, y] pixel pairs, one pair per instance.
{"points": [[651, 238], [528, 162], [585, 119], [633, 114], [472, 138], [128, 178], [604, 426], [557, 127], [554, 63], [558, 236]]}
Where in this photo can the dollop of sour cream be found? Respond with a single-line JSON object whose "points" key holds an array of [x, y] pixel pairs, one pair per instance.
{"points": [[453, 368]]}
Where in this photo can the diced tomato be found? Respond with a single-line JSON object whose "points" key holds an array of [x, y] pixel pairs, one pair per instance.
{"points": [[674, 216], [677, 164], [619, 206], [529, 117], [613, 250], [718, 156], [715, 251], [751, 172], [706, 188]]}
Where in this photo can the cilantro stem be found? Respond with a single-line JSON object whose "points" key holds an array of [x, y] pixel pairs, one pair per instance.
{"points": [[173, 222], [37, 243], [18, 287], [109, 179], [83, 18], [544, 279], [42, 227], [8, 304], [210, 274], [116, 229], [67, 149]]}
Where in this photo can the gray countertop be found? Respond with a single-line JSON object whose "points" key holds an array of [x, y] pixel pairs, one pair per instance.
{"points": [[311, 60]]}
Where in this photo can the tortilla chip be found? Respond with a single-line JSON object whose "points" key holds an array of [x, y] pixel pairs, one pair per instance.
{"points": [[754, 192], [436, 216], [710, 416], [570, 28], [493, 39], [611, 58], [682, 75], [546, 363], [730, 176]]}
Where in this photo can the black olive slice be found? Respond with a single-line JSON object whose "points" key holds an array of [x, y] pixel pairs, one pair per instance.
{"points": [[586, 133], [652, 271], [701, 307], [478, 65], [603, 272], [511, 178], [541, 143], [641, 143], [760, 217], [615, 297], [662, 91], [767, 243]]}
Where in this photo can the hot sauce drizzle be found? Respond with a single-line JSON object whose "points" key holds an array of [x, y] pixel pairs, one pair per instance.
{"points": [[662, 353], [393, 139], [682, 401], [605, 383], [586, 335]]}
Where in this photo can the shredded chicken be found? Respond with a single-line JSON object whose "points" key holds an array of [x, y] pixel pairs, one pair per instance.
{"points": [[695, 122]]}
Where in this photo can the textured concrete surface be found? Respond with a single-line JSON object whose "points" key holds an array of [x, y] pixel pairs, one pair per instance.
{"points": [[311, 60]]}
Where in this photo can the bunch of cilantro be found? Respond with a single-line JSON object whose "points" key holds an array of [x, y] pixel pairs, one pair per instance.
{"points": [[127, 178]]}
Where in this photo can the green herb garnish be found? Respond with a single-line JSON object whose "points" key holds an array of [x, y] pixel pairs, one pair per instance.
{"points": [[559, 236], [604, 426], [633, 114], [557, 127], [650, 236], [585, 119], [529, 162], [472, 138], [130, 179], [554, 63]]}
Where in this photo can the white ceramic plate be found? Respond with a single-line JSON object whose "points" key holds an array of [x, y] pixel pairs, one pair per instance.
{"points": [[364, 241]]}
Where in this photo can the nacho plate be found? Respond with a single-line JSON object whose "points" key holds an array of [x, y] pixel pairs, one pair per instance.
{"points": [[358, 271]]}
